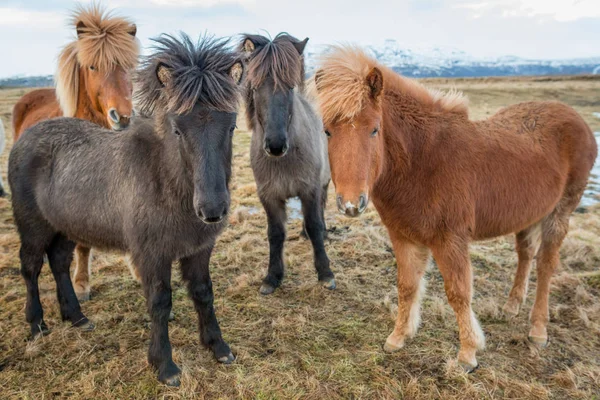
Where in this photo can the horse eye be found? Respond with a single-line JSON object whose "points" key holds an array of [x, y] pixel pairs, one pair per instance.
{"points": [[327, 133], [177, 131], [92, 68], [374, 133], [232, 130]]}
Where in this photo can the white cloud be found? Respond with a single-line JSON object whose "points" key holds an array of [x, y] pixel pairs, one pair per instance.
{"points": [[559, 10], [199, 3], [17, 16]]}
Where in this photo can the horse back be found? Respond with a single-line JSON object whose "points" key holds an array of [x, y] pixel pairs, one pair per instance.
{"points": [[34, 107], [533, 155]]}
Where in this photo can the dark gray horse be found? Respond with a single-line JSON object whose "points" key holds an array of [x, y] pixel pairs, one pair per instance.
{"points": [[289, 149], [159, 191]]}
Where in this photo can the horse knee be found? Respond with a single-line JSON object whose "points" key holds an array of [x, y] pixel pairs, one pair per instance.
{"points": [[160, 304], [202, 293]]}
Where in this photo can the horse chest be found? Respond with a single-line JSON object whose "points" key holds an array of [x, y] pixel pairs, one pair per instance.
{"points": [[283, 178]]}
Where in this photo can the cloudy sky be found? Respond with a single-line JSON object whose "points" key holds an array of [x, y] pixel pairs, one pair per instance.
{"points": [[33, 31]]}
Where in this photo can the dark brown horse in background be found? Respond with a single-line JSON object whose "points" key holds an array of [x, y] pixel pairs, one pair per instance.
{"points": [[440, 181], [92, 83]]}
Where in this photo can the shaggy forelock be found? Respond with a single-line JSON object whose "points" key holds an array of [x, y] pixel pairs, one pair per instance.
{"points": [[199, 73], [342, 92], [277, 58], [105, 40]]}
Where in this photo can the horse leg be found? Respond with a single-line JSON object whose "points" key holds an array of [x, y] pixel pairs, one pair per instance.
{"points": [[32, 259], [276, 217], [323, 207], [412, 261], [60, 255], [315, 227], [554, 229], [455, 266], [527, 244], [133, 269], [81, 276], [156, 280], [195, 271]]}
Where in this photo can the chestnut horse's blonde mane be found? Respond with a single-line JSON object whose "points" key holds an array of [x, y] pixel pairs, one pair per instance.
{"points": [[342, 90], [103, 41]]}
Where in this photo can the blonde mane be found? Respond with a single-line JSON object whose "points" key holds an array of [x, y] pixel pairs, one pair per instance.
{"points": [[341, 90], [103, 41]]}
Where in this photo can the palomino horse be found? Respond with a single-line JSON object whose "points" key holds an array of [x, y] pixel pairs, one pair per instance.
{"points": [[440, 181], [93, 83], [159, 192], [288, 151]]}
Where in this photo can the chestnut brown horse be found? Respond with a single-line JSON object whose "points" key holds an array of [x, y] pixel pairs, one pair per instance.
{"points": [[93, 83], [440, 181]]}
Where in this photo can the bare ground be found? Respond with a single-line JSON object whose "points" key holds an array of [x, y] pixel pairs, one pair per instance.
{"points": [[304, 341]]}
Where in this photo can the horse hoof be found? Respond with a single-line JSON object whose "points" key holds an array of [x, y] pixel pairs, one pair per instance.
{"points": [[329, 283], [173, 381], [541, 342], [85, 326], [228, 359], [511, 310], [83, 296], [391, 347], [171, 316], [41, 331], [468, 367], [266, 289]]}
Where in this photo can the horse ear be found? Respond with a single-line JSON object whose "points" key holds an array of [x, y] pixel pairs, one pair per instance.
{"points": [[300, 46], [375, 82], [248, 47], [236, 72], [80, 27], [318, 76], [132, 30], [163, 74]]}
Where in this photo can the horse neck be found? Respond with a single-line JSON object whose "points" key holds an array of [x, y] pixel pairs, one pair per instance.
{"points": [[85, 109], [407, 127]]}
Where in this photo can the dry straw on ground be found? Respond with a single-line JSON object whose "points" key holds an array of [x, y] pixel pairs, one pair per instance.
{"points": [[306, 342]]}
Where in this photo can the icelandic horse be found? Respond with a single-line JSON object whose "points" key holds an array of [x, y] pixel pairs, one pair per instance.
{"points": [[440, 181], [93, 82]]}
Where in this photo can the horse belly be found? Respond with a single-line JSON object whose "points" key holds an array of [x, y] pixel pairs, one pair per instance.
{"points": [[498, 215]]}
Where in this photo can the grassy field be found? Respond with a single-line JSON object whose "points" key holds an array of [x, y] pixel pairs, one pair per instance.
{"points": [[304, 341]]}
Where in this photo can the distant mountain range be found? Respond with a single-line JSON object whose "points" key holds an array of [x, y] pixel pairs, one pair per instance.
{"points": [[448, 62], [423, 63]]}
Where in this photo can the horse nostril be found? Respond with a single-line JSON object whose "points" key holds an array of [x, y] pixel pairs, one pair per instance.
{"points": [[114, 115], [362, 203], [213, 220]]}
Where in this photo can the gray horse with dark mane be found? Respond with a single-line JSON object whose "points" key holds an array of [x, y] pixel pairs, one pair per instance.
{"points": [[159, 191], [289, 149]]}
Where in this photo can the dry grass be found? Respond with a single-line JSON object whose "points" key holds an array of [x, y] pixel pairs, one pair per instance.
{"points": [[306, 342]]}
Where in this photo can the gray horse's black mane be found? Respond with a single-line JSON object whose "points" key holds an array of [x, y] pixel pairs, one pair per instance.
{"points": [[199, 72], [277, 58]]}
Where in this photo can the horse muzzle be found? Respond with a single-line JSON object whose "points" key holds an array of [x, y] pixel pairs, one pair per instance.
{"points": [[118, 122], [351, 209], [276, 148]]}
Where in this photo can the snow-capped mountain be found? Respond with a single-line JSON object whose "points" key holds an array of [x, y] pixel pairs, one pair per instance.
{"points": [[424, 62], [449, 62]]}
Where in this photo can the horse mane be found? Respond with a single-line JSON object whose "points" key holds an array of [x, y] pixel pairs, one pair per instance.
{"points": [[199, 72], [342, 91], [104, 40], [277, 58]]}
